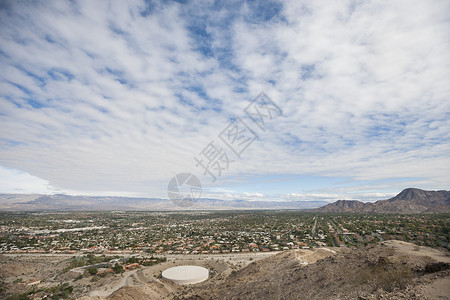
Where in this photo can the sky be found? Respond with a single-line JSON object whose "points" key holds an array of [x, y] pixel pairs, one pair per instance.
{"points": [[260, 100]]}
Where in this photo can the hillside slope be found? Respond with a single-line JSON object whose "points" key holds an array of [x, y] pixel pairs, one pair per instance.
{"points": [[389, 270], [408, 201]]}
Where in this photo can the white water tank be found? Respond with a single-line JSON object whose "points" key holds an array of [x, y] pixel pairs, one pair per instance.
{"points": [[186, 274]]}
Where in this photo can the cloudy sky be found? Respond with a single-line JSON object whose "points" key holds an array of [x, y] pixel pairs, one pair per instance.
{"points": [[116, 97]]}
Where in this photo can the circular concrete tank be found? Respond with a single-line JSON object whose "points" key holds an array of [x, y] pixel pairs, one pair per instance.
{"points": [[186, 274]]}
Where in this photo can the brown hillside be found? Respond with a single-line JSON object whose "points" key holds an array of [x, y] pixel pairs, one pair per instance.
{"points": [[392, 270], [408, 201]]}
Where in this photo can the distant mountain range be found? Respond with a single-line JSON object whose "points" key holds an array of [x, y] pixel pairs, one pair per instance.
{"points": [[408, 201], [60, 202]]}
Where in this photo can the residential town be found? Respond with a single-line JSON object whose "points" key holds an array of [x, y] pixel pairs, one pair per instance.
{"points": [[160, 233], [59, 255]]}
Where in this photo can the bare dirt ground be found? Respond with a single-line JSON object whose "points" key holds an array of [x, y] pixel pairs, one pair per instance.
{"points": [[221, 266], [17, 270], [147, 279], [388, 270], [409, 249], [50, 269]]}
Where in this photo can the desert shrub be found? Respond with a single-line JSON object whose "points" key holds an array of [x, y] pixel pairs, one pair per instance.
{"points": [[2, 286], [398, 277], [103, 275], [386, 276], [92, 270], [18, 280], [18, 297], [78, 277], [118, 268]]}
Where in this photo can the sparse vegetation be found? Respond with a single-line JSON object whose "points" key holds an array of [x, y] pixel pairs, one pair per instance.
{"points": [[386, 276], [92, 270], [18, 280], [78, 277], [118, 268], [60, 291]]}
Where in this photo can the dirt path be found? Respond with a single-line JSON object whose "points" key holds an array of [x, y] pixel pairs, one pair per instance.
{"points": [[414, 250], [125, 281], [439, 289]]}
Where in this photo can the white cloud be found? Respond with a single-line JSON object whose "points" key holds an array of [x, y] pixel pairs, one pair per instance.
{"points": [[17, 182], [98, 97]]}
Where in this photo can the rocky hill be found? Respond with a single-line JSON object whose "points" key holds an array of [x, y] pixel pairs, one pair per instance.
{"points": [[389, 270], [343, 206], [408, 201], [386, 270]]}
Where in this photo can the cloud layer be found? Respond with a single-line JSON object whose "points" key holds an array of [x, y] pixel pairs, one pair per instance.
{"points": [[116, 98]]}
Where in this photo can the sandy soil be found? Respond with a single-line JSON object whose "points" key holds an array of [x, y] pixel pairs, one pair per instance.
{"points": [[412, 250], [389, 270], [49, 268], [335, 273]]}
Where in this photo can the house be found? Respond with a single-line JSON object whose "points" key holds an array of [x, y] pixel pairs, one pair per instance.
{"points": [[131, 266], [105, 271]]}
